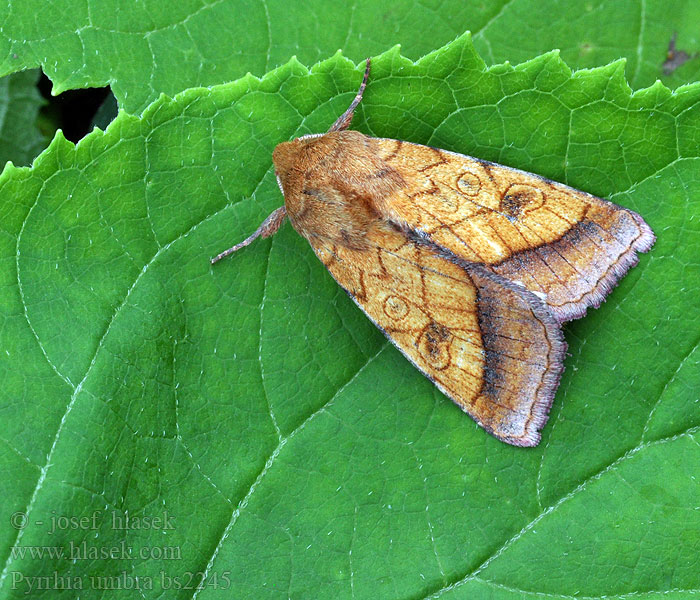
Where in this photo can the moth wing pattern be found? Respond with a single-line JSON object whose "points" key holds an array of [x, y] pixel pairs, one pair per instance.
{"points": [[488, 344], [567, 246]]}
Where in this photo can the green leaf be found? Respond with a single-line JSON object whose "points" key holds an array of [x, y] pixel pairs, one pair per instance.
{"points": [[288, 447], [155, 46]]}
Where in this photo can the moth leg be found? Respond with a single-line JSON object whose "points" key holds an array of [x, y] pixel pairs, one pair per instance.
{"points": [[344, 120], [267, 228]]}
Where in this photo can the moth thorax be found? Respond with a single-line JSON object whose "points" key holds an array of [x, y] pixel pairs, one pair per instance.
{"points": [[322, 211]]}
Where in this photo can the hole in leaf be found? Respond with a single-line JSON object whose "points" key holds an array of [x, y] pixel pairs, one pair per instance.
{"points": [[75, 112]]}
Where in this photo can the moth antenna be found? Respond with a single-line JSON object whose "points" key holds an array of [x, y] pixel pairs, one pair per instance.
{"points": [[343, 121], [267, 228]]}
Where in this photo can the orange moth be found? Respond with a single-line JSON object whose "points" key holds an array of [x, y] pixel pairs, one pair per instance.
{"points": [[467, 266]]}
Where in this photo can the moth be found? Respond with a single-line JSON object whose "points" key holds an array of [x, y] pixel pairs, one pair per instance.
{"points": [[468, 267]]}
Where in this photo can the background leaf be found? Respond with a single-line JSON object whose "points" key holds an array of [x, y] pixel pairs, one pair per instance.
{"points": [[145, 48], [20, 139]]}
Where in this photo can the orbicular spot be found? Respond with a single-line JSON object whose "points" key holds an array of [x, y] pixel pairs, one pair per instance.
{"points": [[434, 345], [469, 184], [396, 308], [520, 199]]}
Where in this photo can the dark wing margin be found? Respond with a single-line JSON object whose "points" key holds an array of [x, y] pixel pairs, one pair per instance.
{"points": [[525, 350]]}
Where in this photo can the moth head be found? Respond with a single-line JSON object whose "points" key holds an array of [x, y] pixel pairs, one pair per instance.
{"points": [[284, 159], [293, 159]]}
